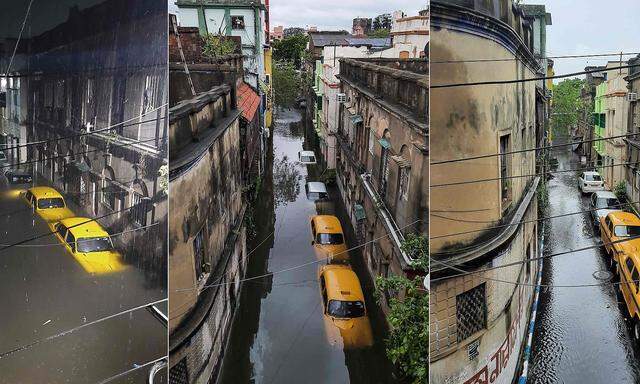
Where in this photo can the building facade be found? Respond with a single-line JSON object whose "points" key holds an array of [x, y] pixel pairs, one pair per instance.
{"points": [[382, 164], [616, 109], [632, 169], [99, 107], [477, 324]]}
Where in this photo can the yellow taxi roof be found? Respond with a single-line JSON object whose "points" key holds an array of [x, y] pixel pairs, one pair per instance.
{"points": [[82, 227], [40, 192], [624, 218], [342, 283], [327, 224]]}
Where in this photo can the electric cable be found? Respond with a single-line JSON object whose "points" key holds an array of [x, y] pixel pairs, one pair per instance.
{"points": [[515, 81], [15, 47], [542, 58]]}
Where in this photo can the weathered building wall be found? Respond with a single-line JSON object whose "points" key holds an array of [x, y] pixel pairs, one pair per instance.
{"points": [[478, 322], [616, 116], [632, 171], [85, 75], [207, 236], [385, 139]]}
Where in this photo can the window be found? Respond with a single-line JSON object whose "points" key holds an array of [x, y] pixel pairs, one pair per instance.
{"points": [[329, 238], [634, 278], [51, 202], [626, 230], [345, 309], [139, 205], [504, 168], [109, 194], [199, 254], [629, 264], [371, 139], [71, 240], [471, 312], [404, 182], [62, 230], [94, 244], [237, 22]]}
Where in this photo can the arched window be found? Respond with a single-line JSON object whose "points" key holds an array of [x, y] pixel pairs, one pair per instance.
{"points": [[404, 172], [140, 202]]}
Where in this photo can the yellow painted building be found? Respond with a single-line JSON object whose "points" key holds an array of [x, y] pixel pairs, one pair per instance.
{"points": [[268, 73]]}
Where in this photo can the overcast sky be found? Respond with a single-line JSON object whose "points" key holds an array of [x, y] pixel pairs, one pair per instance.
{"points": [[589, 27], [331, 14]]}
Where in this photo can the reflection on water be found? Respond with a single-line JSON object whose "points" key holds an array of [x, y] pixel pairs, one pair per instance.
{"points": [[280, 333]]}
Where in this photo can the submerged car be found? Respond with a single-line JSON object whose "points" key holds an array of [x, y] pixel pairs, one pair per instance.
{"points": [[603, 203], [316, 191], [307, 157], [628, 273], [344, 307], [89, 244], [48, 203], [328, 238], [620, 232], [590, 181]]}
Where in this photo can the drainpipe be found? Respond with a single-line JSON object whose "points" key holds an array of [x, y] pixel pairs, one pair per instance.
{"points": [[396, 235]]}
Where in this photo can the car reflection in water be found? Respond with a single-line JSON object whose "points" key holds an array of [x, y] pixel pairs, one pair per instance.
{"points": [[346, 322]]}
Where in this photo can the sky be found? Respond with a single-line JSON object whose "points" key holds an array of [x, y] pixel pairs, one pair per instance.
{"points": [[589, 27], [331, 14]]}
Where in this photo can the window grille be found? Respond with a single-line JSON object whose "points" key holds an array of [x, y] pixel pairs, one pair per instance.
{"points": [[179, 374], [471, 312]]}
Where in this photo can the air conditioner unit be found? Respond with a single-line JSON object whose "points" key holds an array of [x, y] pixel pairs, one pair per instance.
{"points": [[632, 96], [341, 97]]}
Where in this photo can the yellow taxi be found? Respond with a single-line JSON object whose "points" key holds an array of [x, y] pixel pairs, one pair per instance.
{"points": [[345, 314], [48, 203], [328, 238], [630, 288], [89, 244], [618, 226]]}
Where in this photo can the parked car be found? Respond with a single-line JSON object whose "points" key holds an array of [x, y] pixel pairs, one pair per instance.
{"points": [[89, 244], [307, 157], [629, 276], [603, 203], [344, 307], [15, 182], [328, 238], [617, 226], [48, 203], [590, 181], [316, 190]]}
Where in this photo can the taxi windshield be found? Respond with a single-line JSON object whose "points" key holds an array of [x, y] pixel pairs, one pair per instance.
{"points": [[626, 230], [346, 309], [50, 202], [94, 244], [329, 238], [607, 203]]}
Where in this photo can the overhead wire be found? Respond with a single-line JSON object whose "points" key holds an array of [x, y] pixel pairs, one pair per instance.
{"points": [[15, 47], [77, 328], [538, 78], [541, 58]]}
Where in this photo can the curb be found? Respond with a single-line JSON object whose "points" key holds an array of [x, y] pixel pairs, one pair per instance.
{"points": [[532, 322]]}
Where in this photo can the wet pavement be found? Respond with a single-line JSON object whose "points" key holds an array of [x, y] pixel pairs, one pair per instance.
{"points": [[278, 333], [581, 334], [44, 291]]}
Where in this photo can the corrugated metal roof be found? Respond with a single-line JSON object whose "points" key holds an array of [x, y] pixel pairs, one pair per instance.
{"points": [[322, 39], [369, 41]]}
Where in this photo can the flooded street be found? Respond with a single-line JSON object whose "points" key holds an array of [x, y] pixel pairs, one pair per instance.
{"points": [[581, 334], [279, 334], [45, 291]]}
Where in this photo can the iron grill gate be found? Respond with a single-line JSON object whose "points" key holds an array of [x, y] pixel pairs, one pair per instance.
{"points": [[471, 312]]}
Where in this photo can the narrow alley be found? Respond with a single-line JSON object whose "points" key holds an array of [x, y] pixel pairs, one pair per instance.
{"points": [[581, 335], [278, 333]]}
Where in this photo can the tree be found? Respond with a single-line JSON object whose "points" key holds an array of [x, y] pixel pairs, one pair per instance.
{"points": [[379, 33], [286, 83], [408, 317], [567, 103], [382, 22], [217, 46], [290, 49]]}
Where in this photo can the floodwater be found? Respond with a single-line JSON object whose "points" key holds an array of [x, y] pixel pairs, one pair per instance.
{"points": [[581, 333], [278, 333], [44, 291]]}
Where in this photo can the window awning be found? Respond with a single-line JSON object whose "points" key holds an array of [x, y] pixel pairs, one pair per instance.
{"points": [[385, 143], [359, 212], [355, 119], [402, 162]]}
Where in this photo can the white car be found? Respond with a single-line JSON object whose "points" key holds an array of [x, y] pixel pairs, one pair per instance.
{"points": [[316, 191], [591, 181], [603, 203], [307, 157]]}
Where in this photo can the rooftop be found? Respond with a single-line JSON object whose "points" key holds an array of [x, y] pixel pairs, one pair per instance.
{"points": [[322, 38]]}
